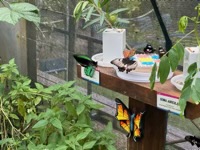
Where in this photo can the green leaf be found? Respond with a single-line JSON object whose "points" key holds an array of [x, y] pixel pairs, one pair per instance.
{"points": [[13, 116], [192, 68], [195, 95], [41, 123], [96, 2], [5, 15], [77, 10], [92, 22], [185, 95], [39, 86], [179, 49], [89, 145], [71, 109], [102, 18], [153, 76], [164, 69], [53, 137], [21, 108], [84, 134], [62, 147], [173, 59], [43, 135], [183, 23], [104, 3], [18, 11], [89, 14], [6, 140], [57, 123], [197, 84], [123, 20], [92, 104], [37, 100], [80, 108], [118, 10], [85, 3]]}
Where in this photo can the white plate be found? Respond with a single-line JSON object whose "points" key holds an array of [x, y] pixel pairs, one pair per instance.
{"points": [[177, 80], [136, 76], [99, 59]]}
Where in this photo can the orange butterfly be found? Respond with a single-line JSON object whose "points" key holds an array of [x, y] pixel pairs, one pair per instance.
{"points": [[131, 123], [128, 53]]}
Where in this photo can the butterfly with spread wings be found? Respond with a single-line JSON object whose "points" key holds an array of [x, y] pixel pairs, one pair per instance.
{"points": [[124, 64], [132, 123], [88, 63]]}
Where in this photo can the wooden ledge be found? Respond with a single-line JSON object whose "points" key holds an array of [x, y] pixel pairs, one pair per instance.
{"points": [[141, 91]]}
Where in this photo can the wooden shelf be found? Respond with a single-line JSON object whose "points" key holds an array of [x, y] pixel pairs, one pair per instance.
{"points": [[142, 98]]}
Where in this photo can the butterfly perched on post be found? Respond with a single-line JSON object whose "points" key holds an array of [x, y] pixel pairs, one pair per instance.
{"points": [[87, 62], [132, 123]]}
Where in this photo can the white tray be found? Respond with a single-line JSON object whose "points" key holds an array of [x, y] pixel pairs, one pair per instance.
{"points": [[136, 76], [99, 59], [176, 81]]}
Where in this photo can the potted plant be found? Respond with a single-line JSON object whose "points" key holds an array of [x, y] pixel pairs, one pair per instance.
{"points": [[171, 60], [114, 38]]}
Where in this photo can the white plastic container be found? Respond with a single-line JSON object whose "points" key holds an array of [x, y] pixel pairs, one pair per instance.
{"points": [[114, 42]]}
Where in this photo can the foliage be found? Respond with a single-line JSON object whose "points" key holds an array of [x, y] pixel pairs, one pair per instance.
{"points": [[54, 118], [97, 11], [171, 60], [13, 12]]}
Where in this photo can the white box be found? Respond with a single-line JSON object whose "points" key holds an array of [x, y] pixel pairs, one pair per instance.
{"points": [[114, 42], [190, 56]]}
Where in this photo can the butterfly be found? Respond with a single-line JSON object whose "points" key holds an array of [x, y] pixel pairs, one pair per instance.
{"points": [[148, 49], [124, 64], [193, 140], [87, 62], [132, 123], [129, 53]]}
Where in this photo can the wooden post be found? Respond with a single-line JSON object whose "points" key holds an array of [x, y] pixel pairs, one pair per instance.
{"points": [[155, 127]]}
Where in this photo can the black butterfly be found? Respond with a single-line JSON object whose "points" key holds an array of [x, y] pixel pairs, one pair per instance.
{"points": [[84, 60], [149, 49], [124, 64], [193, 140]]}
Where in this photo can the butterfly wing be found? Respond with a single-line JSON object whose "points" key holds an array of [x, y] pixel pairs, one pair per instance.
{"points": [[131, 67], [128, 53], [118, 62], [123, 115], [84, 60], [122, 112], [138, 126]]}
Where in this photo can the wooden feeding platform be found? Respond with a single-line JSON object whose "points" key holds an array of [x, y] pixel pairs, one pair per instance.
{"points": [[142, 98]]}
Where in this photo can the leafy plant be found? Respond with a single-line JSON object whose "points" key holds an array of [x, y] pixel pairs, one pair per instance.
{"points": [[170, 61], [93, 11], [97, 11], [55, 117], [13, 12]]}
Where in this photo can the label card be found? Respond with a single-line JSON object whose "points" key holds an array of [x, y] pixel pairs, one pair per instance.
{"points": [[94, 79], [168, 103]]}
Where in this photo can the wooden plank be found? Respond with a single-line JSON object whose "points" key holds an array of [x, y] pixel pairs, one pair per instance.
{"points": [[155, 126], [141, 91]]}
